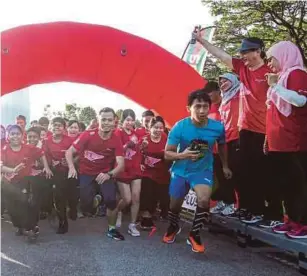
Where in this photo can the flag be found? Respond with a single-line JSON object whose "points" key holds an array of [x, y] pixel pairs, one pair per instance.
{"points": [[196, 54]]}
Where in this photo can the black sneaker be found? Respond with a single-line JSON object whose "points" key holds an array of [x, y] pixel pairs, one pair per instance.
{"points": [[242, 214], [31, 235], [147, 224], [63, 227], [252, 219], [115, 235], [268, 224]]}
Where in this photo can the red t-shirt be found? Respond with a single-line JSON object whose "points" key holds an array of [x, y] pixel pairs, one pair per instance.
{"points": [[214, 114], [97, 155], [289, 134], [253, 92], [55, 152], [229, 117], [141, 132], [132, 156], [156, 168], [28, 154]]}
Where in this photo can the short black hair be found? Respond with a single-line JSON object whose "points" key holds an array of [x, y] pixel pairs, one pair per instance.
{"points": [[200, 95], [58, 120], [37, 130], [107, 110], [43, 121], [82, 126], [11, 127], [21, 117], [126, 113], [157, 119], [34, 121], [148, 113], [71, 122], [211, 86]]}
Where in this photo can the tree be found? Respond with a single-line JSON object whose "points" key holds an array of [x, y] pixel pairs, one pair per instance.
{"points": [[87, 114], [47, 111], [271, 21], [119, 113], [72, 111]]}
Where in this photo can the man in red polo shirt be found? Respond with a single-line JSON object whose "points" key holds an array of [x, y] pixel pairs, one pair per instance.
{"points": [[101, 160], [251, 69]]}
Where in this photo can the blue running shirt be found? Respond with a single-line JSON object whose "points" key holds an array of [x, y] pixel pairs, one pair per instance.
{"points": [[184, 133]]}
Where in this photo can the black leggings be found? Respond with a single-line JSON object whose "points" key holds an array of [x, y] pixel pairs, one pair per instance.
{"points": [[65, 193], [21, 203], [226, 188], [290, 185], [152, 193]]}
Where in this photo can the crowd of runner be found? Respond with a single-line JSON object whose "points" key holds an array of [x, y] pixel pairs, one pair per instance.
{"points": [[246, 133]]}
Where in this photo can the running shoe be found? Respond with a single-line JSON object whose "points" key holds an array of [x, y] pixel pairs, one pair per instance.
{"points": [[286, 227], [228, 210], [242, 214], [63, 227], [119, 219], [195, 242], [147, 224], [115, 235], [298, 233], [268, 224], [220, 206], [252, 219], [31, 235], [172, 232], [133, 231]]}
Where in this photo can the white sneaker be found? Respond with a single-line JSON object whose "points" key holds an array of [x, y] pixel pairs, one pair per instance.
{"points": [[228, 210], [220, 206], [133, 231], [119, 219]]}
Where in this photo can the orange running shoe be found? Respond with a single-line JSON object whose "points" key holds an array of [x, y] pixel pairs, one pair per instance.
{"points": [[195, 243], [170, 235]]}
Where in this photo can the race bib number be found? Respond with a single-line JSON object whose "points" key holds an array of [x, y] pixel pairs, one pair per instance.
{"points": [[190, 201]]}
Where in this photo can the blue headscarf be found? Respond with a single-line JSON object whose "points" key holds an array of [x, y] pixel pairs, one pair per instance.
{"points": [[233, 90]]}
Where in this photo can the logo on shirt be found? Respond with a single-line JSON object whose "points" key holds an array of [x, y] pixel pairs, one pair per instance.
{"points": [[129, 154], [35, 172], [151, 161], [55, 163], [92, 156], [134, 139]]}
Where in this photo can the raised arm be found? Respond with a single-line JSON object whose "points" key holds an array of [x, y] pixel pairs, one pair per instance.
{"points": [[215, 51]]}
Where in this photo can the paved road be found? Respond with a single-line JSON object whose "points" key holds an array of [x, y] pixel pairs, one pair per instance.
{"points": [[86, 251]]}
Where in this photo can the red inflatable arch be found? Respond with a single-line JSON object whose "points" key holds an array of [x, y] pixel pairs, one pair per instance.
{"points": [[98, 55]]}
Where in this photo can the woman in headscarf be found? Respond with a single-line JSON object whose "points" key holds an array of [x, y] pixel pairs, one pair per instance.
{"points": [[229, 112], [286, 131]]}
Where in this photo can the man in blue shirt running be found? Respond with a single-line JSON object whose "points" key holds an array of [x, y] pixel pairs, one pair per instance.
{"points": [[189, 146]]}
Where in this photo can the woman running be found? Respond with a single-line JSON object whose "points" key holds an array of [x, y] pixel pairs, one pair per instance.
{"points": [[17, 160], [129, 182], [156, 177]]}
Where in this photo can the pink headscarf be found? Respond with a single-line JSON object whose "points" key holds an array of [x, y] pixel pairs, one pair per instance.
{"points": [[290, 59]]}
